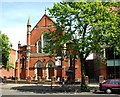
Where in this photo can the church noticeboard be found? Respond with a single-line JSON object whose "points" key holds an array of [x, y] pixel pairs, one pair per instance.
{"points": [[58, 61]]}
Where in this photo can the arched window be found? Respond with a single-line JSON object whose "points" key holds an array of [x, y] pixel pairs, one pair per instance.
{"points": [[45, 39], [23, 62], [39, 47], [39, 64], [42, 42], [51, 64]]}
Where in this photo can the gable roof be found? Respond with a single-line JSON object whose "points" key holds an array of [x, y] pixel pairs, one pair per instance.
{"points": [[46, 16]]}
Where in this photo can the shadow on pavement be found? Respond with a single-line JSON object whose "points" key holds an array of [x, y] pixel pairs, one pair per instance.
{"points": [[47, 89]]}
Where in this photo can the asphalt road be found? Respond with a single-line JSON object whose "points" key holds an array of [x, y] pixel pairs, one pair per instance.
{"points": [[60, 96], [37, 91]]}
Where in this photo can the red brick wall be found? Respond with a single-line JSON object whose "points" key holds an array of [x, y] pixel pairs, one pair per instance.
{"points": [[103, 70], [7, 73], [78, 69], [11, 72], [35, 35]]}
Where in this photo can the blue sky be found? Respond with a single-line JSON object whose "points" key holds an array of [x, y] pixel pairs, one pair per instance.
{"points": [[15, 15]]}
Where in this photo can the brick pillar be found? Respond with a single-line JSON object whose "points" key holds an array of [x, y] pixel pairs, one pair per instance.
{"points": [[27, 68], [17, 71], [28, 47], [17, 75]]}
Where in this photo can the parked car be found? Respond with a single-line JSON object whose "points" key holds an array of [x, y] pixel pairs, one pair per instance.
{"points": [[110, 85]]}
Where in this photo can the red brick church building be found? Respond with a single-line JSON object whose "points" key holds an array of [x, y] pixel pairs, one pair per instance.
{"points": [[33, 61]]}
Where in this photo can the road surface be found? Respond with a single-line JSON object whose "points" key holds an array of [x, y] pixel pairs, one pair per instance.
{"points": [[27, 90]]}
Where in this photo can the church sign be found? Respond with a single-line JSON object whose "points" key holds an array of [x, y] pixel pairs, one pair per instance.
{"points": [[58, 61]]}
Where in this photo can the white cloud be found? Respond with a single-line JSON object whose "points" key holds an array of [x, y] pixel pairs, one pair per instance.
{"points": [[16, 34]]}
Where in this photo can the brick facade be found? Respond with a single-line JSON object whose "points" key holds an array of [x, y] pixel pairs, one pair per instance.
{"points": [[32, 63], [12, 60], [38, 64]]}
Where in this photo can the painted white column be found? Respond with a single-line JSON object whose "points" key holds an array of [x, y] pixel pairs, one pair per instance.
{"points": [[37, 46], [47, 73], [55, 72], [42, 42], [43, 73], [35, 73]]}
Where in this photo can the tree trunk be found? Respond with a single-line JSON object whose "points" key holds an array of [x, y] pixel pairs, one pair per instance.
{"points": [[84, 86]]}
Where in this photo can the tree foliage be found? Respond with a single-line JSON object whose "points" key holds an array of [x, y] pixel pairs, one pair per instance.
{"points": [[88, 27], [5, 48]]}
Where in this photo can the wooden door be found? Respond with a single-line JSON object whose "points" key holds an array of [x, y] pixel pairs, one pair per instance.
{"points": [[39, 72], [51, 72]]}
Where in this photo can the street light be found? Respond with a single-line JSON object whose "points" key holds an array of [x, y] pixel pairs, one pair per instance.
{"points": [[114, 65]]}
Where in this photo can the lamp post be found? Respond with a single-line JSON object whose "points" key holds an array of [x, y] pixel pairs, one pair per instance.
{"points": [[114, 65]]}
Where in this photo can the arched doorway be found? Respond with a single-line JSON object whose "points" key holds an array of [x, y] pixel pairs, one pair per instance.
{"points": [[23, 66], [38, 69], [50, 69]]}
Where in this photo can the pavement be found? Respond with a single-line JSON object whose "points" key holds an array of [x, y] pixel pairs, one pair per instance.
{"points": [[44, 88], [9, 85]]}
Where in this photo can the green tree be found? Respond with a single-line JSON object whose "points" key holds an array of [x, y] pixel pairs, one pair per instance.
{"points": [[116, 11], [114, 8], [87, 27], [5, 48]]}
